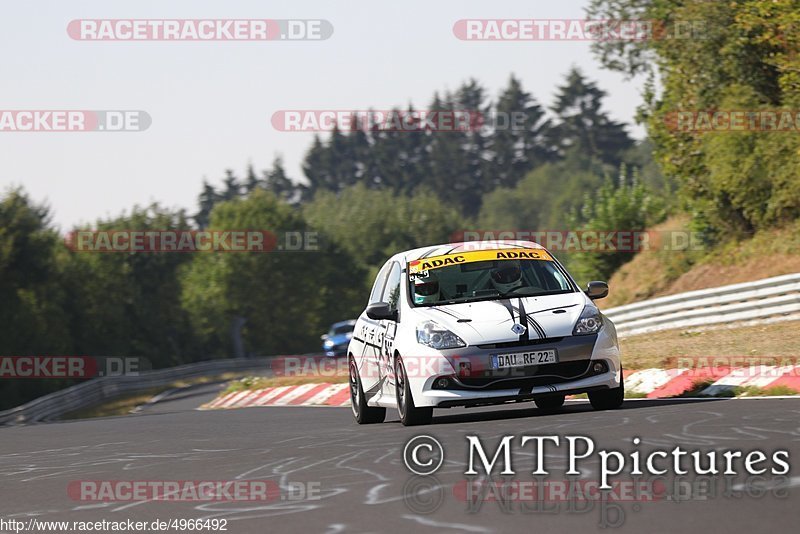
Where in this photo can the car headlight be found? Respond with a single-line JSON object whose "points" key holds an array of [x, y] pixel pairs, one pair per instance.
{"points": [[590, 322], [327, 344], [432, 335]]}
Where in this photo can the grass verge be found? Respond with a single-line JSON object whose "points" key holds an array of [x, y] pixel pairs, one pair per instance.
{"points": [[124, 404], [755, 391], [772, 344], [261, 382], [662, 271]]}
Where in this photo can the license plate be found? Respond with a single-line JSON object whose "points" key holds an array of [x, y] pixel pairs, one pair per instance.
{"points": [[522, 359]]}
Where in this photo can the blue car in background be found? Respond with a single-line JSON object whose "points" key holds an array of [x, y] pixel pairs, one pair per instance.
{"points": [[335, 342]]}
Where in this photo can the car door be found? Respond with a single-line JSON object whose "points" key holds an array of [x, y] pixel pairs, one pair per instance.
{"points": [[388, 330], [369, 333]]}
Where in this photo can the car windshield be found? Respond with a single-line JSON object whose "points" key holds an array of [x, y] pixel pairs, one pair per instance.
{"points": [[340, 329], [485, 275]]}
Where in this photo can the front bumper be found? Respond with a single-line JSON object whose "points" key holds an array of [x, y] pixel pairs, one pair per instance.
{"points": [[585, 363], [336, 350], [450, 398]]}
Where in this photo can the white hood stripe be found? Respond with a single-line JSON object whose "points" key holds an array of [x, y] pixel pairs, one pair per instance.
{"points": [[537, 327]]}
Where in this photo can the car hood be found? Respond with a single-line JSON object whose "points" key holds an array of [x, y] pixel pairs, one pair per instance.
{"points": [[490, 321]]}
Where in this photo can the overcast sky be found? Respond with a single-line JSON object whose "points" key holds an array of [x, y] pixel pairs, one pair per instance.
{"points": [[211, 102]]}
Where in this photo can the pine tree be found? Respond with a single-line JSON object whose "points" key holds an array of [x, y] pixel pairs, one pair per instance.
{"points": [[361, 149], [278, 183], [232, 189], [252, 181], [314, 167], [340, 162], [583, 127], [207, 199], [449, 176], [471, 98], [519, 140]]}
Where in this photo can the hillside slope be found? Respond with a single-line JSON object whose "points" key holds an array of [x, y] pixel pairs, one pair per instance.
{"points": [[654, 273]]}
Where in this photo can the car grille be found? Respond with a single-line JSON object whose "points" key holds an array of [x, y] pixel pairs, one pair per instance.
{"points": [[524, 343], [540, 375]]}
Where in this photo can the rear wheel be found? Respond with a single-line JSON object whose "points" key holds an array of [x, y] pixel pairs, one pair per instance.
{"points": [[553, 402], [364, 414], [608, 399], [409, 414]]}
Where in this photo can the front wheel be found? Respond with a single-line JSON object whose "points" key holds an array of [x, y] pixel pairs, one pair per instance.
{"points": [[608, 399], [364, 414], [409, 414]]}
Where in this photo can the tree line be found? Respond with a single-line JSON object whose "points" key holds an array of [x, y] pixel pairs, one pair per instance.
{"points": [[368, 194], [742, 56], [459, 167]]}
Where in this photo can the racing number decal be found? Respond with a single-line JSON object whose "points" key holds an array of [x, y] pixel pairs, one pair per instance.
{"points": [[367, 332], [371, 332], [378, 349], [387, 353]]}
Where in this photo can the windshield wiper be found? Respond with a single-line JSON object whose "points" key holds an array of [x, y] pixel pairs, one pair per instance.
{"points": [[516, 290], [497, 295]]}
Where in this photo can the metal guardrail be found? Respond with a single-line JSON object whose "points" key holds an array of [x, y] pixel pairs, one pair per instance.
{"points": [[767, 300], [97, 390]]}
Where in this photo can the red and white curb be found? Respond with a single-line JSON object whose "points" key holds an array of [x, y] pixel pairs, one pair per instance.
{"points": [[303, 395], [660, 383], [654, 383]]}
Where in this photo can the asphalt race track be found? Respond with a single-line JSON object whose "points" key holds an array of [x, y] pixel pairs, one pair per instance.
{"points": [[362, 484]]}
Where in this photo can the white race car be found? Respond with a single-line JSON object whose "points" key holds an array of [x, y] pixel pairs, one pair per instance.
{"points": [[480, 323]]}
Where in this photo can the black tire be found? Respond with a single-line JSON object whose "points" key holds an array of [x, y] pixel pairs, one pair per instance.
{"points": [[608, 399], [410, 415], [550, 403], [364, 414]]}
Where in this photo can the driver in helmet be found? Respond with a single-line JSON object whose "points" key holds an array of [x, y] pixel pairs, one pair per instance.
{"points": [[506, 276], [426, 290]]}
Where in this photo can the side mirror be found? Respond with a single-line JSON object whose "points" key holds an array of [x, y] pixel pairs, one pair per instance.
{"points": [[323, 337], [380, 311], [597, 290]]}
